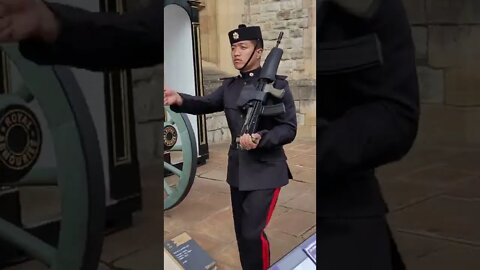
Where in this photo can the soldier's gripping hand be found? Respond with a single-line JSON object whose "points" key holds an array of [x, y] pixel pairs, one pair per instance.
{"points": [[171, 97], [249, 142], [27, 19]]}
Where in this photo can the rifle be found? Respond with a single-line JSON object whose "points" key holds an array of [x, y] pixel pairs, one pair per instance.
{"points": [[252, 98]]}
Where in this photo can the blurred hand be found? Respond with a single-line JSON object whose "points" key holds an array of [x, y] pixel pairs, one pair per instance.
{"points": [[25, 19], [171, 97], [249, 142]]}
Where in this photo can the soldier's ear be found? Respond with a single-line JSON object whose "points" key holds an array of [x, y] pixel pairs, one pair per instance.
{"points": [[259, 53]]}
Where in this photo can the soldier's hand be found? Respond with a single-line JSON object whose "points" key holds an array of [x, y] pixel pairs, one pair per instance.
{"points": [[256, 138], [171, 97], [25, 19], [249, 142]]}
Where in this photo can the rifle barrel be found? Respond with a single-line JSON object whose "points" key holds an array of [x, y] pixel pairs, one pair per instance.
{"points": [[279, 39]]}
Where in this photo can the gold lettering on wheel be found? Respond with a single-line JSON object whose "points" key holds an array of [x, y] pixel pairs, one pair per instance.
{"points": [[19, 157]]}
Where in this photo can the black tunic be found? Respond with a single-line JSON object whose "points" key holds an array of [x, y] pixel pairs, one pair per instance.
{"points": [[266, 166], [367, 116]]}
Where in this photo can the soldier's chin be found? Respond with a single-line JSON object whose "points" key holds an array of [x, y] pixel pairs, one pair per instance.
{"points": [[238, 65]]}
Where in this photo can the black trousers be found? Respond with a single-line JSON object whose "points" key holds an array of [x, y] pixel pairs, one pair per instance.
{"points": [[356, 243], [252, 211]]}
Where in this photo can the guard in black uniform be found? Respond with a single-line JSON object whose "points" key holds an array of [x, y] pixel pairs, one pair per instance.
{"points": [[367, 116], [257, 171]]}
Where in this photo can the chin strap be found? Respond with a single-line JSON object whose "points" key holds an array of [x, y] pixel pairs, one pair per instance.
{"points": [[254, 49]]}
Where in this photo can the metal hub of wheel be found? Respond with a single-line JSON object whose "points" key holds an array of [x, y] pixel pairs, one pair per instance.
{"points": [[78, 174], [20, 140], [179, 143], [170, 136]]}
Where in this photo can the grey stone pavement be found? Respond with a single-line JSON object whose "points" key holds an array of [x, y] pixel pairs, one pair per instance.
{"points": [[433, 195], [434, 198]]}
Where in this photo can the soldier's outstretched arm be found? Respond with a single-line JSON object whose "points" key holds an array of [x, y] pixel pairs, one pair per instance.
{"points": [[52, 33], [285, 129], [210, 103]]}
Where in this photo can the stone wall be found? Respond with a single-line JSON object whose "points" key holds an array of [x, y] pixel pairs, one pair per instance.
{"points": [[447, 39], [294, 18], [217, 18]]}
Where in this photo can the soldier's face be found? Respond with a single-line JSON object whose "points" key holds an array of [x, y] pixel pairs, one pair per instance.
{"points": [[241, 52]]}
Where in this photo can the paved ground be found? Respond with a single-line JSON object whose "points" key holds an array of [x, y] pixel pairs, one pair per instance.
{"points": [[434, 196], [206, 213]]}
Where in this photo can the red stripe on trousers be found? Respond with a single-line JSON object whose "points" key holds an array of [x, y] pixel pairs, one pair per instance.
{"points": [[265, 244]]}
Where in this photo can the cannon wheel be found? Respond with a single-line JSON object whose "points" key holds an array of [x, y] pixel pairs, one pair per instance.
{"points": [[183, 164], [78, 173]]}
